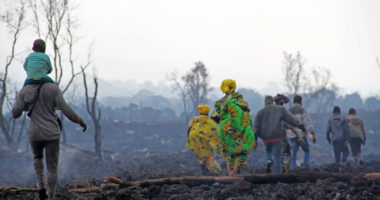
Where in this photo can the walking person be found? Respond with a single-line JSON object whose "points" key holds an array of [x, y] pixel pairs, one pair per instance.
{"points": [[202, 139], [280, 100], [269, 126], [44, 132], [297, 137], [357, 135], [338, 133], [235, 131]]}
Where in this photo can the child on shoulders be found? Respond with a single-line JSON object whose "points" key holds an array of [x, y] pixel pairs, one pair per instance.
{"points": [[37, 65]]}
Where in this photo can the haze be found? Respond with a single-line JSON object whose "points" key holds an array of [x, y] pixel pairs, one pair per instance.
{"points": [[244, 40]]}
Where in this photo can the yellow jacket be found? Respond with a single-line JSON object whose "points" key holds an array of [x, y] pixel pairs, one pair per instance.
{"points": [[202, 128]]}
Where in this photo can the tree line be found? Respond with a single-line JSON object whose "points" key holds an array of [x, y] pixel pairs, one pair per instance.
{"points": [[56, 21]]}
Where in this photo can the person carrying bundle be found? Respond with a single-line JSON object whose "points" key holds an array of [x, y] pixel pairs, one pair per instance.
{"points": [[235, 127], [202, 139]]}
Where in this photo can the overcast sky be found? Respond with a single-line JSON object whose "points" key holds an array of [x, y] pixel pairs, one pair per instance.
{"points": [[240, 39]]}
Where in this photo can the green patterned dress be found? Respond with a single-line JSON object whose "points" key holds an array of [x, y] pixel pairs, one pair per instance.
{"points": [[235, 131]]}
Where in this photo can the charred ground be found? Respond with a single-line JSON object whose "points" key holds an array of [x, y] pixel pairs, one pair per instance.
{"points": [[81, 169], [143, 151]]}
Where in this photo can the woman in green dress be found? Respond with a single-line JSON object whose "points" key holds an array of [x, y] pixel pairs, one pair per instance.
{"points": [[235, 131]]}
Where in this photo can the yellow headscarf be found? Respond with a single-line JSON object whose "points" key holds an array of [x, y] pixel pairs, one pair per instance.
{"points": [[203, 109], [228, 86]]}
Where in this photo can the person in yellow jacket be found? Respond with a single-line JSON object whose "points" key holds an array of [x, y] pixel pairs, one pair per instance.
{"points": [[202, 139]]}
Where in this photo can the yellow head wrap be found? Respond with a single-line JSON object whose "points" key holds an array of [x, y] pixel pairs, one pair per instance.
{"points": [[203, 109], [228, 86]]}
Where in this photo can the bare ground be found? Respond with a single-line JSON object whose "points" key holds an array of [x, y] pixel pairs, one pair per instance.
{"points": [[81, 176]]}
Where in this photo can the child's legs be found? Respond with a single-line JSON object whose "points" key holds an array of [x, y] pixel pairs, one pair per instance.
{"points": [[47, 79], [42, 80]]}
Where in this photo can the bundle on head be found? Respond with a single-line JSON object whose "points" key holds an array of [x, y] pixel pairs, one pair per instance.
{"points": [[281, 99]]}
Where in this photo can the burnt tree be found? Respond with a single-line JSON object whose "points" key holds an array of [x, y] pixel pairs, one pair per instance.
{"points": [[320, 91], [294, 72], [95, 114], [193, 88], [14, 19], [180, 90], [316, 86], [197, 85]]}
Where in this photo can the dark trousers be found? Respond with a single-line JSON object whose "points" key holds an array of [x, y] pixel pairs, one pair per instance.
{"points": [[340, 151], [274, 149], [52, 153], [355, 144]]}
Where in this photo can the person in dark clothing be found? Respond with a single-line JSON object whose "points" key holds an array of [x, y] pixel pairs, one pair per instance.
{"points": [[280, 100], [338, 133], [269, 127]]}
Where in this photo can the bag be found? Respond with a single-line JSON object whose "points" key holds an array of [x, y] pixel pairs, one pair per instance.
{"points": [[59, 123], [35, 100]]}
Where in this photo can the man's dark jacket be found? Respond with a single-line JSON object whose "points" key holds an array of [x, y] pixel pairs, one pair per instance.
{"points": [[269, 123]]}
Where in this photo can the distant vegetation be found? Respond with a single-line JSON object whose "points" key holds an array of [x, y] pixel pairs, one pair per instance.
{"points": [[144, 117]]}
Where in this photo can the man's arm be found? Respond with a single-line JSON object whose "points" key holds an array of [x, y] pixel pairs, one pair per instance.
{"points": [[298, 135], [291, 128], [363, 129], [328, 130], [346, 131], [257, 126], [290, 119], [18, 107], [68, 111], [314, 138]]}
